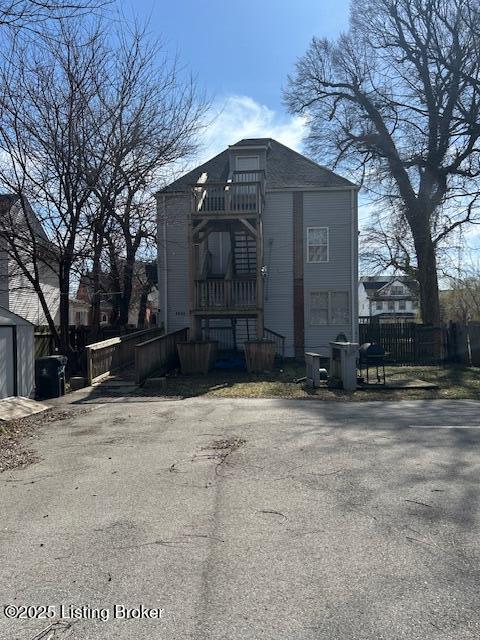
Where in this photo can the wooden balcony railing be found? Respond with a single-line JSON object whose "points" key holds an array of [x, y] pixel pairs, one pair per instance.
{"points": [[230, 199], [224, 295]]}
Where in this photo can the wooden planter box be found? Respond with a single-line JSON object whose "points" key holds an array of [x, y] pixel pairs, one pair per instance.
{"points": [[260, 355], [197, 356]]}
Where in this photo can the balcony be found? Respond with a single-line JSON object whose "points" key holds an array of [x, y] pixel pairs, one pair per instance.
{"points": [[226, 296], [243, 197]]}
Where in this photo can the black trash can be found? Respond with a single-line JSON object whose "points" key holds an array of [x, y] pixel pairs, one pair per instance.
{"points": [[50, 376]]}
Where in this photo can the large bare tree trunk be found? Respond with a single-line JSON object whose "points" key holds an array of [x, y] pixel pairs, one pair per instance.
{"points": [[426, 267], [127, 288], [96, 293], [64, 282], [428, 282]]}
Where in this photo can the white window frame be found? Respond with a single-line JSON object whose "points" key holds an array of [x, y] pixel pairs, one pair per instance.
{"points": [[327, 229], [379, 305], [257, 162], [329, 322]]}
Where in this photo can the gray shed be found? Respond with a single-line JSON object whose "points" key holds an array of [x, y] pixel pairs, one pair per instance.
{"points": [[17, 357]]}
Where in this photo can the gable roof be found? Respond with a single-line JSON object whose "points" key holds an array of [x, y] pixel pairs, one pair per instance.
{"points": [[11, 206], [373, 285], [285, 169], [7, 315]]}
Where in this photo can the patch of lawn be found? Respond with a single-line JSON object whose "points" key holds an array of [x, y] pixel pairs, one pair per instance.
{"points": [[453, 382]]}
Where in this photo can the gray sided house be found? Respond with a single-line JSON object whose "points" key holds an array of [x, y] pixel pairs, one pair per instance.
{"points": [[16, 292], [259, 241]]}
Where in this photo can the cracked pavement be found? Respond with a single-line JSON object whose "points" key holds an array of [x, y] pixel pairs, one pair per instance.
{"points": [[249, 519]]}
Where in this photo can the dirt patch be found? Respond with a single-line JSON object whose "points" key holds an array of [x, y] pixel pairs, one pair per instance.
{"points": [[17, 436], [219, 450]]}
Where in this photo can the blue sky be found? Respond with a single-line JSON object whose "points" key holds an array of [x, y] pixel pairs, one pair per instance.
{"points": [[241, 54]]}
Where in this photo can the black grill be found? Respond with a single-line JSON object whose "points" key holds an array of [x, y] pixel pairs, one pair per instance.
{"points": [[372, 355]]}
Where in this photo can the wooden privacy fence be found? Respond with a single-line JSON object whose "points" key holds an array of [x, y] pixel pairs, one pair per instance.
{"points": [[158, 355], [110, 355], [79, 338], [44, 343], [417, 344]]}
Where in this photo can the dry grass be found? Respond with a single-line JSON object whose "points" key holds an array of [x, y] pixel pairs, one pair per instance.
{"points": [[453, 382]]}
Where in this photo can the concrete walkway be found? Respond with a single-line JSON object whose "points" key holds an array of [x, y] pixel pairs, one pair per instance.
{"points": [[249, 519], [19, 407]]}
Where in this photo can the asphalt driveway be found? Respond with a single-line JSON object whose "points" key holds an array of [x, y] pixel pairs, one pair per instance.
{"points": [[248, 519]]}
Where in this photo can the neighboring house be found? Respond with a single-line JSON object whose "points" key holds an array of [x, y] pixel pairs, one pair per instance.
{"points": [[16, 292], [79, 312], [144, 284], [259, 239], [388, 298]]}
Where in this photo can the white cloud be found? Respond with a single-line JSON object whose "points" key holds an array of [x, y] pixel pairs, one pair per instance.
{"points": [[237, 117], [233, 118]]}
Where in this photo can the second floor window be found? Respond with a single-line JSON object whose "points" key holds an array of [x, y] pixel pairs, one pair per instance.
{"points": [[379, 305], [391, 305], [317, 244], [402, 305], [397, 291]]}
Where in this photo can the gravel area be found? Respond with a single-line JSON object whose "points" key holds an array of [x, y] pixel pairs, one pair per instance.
{"points": [[17, 437]]}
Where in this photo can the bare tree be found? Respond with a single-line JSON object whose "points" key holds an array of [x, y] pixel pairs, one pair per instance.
{"points": [[396, 101], [51, 115], [156, 114], [91, 120], [32, 15]]}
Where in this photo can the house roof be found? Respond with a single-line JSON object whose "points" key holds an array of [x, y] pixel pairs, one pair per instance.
{"points": [[286, 168], [373, 285], [18, 215], [6, 314]]}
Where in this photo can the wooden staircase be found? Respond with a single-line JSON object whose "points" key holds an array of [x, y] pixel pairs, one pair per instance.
{"points": [[244, 254]]}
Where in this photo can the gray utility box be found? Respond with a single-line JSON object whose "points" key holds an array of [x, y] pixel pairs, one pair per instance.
{"points": [[314, 373], [312, 363], [343, 363]]}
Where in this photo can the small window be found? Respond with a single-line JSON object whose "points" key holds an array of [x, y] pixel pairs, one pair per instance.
{"points": [[379, 305], [317, 244], [402, 305], [318, 307], [391, 305], [397, 291], [248, 163]]}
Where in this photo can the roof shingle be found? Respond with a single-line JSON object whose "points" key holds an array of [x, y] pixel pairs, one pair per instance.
{"points": [[286, 168]]}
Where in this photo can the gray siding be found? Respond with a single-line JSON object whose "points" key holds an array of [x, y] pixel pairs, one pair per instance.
{"points": [[24, 301], [176, 316], [278, 257], [3, 279], [332, 209]]}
